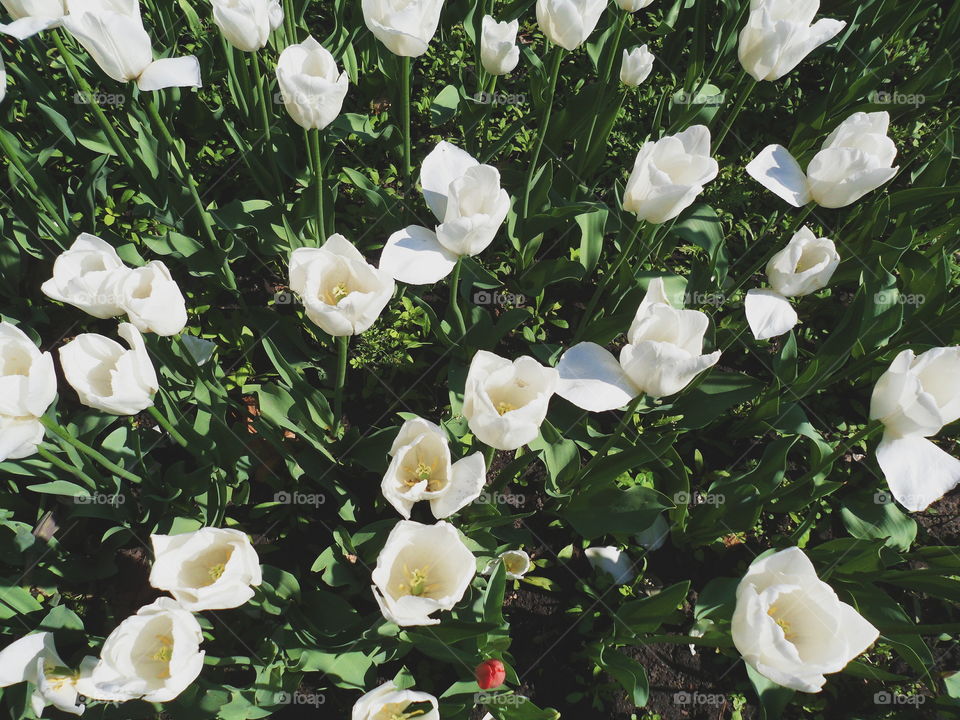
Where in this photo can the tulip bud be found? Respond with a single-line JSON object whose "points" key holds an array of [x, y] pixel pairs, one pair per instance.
{"points": [[406, 27], [490, 674], [669, 174], [107, 376], [631, 6], [152, 300], [499, 53], [32, 16], [113, 33], [247, 24], [568, 23], [636, 67], [311, 86], [779, 35]]}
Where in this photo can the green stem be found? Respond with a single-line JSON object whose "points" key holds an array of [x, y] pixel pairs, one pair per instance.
{"points": [[544, 126], [14, 157], [317, 161], [57, 462], [742, 96], [288, 25], [455, 298], [237, 88], [405, 106], [617, 433], [843, 447], [615, 48], [84, 86], [263, 101], [168, 426], [87, 450], [343, 344]]}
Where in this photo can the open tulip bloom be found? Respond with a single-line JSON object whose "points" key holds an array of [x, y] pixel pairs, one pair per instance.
{"points": [[34, 659], [668, 175], [247, 24], [113, 33], [28, 386], [568, 23], [854, 160], [32, 16], [406, 27], [664, 352], [779, 34], [791, 627], [420, 469], [342, 293], [504, 401], [467, 199], [422, 569], [803, 267], [914, 399], [388, 701]]}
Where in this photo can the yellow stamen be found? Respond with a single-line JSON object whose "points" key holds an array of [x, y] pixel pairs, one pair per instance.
{"points": [[504, 407], [216, 571], [339, 292]]}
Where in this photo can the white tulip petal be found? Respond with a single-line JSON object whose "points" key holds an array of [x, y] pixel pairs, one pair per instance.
{"points": [[444, 164], [29, 26], [18, 660], [777, 170], [415, 256], [918, 472], [612, 561], [769, 314], [592, 378], [467, 478], [171, 72]]}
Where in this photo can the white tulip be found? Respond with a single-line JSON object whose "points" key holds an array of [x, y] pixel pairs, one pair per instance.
{"points": [[631, 6], [342, 293], [113, 33], [208, 569], [854, 160], [247, 24], [568, 23], [422, 569], [106, 375], [153, 655], [506, 402], [420, 469], [669, 174], [32, 16], [19, 437], [467, 199], [34, 659], [87, 275], [612, 561], [388, 701], [803, 267], [914, 399], [3, 80], [28, 382], [779, 35], [152, 299], [406, 27], [517, 563], [653, 537], [791, 627], [636, 66], [311, 85], [663, 355], [499, 53]]}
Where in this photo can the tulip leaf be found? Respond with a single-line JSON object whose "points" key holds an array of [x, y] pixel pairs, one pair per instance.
{"points": [[610, 511], [876, 517], [773, 697], [628, 672], [444, 105], [647, 614]]}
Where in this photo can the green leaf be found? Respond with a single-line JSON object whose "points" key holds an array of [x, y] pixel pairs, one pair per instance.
{"points": [[611, 511], [628, 672]]}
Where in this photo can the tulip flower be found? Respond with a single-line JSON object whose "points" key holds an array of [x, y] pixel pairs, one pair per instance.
{"points": [[106, 375], [388, 701], [791, 627], [517, 563], [914, 399], [113, 33], [568, 23], [32, 16], [152, 299], [86, 276], [154, 656], [631, 6], [420, 469], [19, 437], [855, 159], [803, 267], [779, 35], [505, 402], [467, 199], [247, 24], [669, 174], [636, 66], [653, 537], [342, 293], [34, 659], [406, 27], [499, 53], [28, 382], [208, 569], [311, 85], [490, 674], [3, 80], [421, 569], [663, 355], [613, 561]]}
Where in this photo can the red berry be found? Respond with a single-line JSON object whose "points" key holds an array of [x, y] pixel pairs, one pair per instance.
{"points": [[490, 674]]}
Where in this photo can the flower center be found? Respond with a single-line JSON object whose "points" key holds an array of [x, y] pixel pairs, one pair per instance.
{"points": [[337, 293], [164, 654], [216, 571], [417, 582], [503, 407], [784, 625]]}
